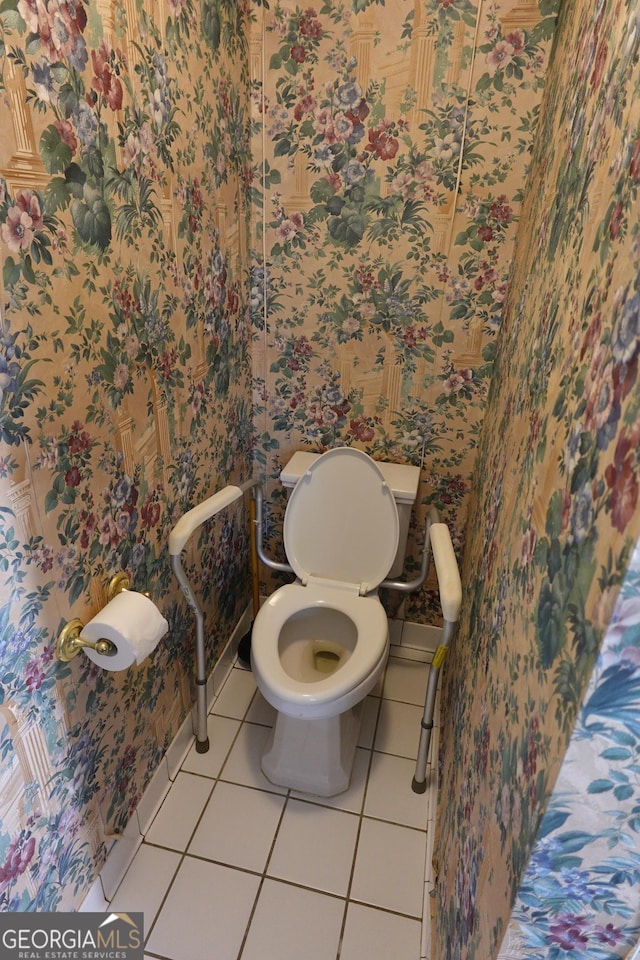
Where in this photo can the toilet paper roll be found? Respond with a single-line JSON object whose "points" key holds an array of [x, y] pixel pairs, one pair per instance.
{"points": [[133, 623]]}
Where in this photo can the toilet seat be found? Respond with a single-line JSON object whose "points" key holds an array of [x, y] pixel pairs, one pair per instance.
{"points": [[340, 690], [341, 522]]}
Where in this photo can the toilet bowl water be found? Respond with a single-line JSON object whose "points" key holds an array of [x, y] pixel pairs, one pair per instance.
{"points": [[314, 643]]}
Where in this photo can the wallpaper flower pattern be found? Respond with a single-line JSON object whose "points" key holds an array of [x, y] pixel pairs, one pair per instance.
{"points": [[124, 396], [579, 894], [384, 161], [553, 525], [391, 143]]}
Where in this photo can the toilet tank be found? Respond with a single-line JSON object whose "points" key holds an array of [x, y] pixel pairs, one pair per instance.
{"points": [[403, 480]]}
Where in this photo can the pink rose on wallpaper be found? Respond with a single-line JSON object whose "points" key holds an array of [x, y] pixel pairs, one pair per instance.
{"points": [[528, 546], [16, 231], [457, 380], [67, 134], [310, 26], [599, 390], [30, 204], [623, 483], [332, 128], [516, 39], [176, 7], [290, 227], [501, 55], [60, 27], [22, 221], [500, 209], [384, 146], [306, 104], [105, 81], [362, 430]]}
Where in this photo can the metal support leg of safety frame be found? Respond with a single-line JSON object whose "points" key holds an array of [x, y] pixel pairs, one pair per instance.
{"points": [[419, 782]]}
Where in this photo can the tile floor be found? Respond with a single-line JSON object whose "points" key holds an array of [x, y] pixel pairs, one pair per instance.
{"points": [[235, 868]]}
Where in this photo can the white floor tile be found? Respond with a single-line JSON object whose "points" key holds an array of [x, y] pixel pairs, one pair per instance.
{"points": [[238, 827], [245, 826], [315, 847], [145, 883], [205, 914], [221, 732], [261, 712], [236, 694], [389, 794], [177, 817], [406, 680], [293, 924], [398, 729], [376, 935], [243, 764], [389, 867]]}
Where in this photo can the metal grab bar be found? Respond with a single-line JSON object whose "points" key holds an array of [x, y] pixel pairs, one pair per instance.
{"points": [[450, 589], [178, 538], [268, 562], [408, 586]]}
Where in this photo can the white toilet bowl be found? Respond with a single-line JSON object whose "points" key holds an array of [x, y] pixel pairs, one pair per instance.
{"points": [[307, 658], [320, 645]]}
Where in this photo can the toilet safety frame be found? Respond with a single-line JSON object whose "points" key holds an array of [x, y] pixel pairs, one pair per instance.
{"points": [[437, 542]]}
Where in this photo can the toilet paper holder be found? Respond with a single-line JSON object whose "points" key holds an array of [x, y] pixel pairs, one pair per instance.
{"points": [[69, 642]]}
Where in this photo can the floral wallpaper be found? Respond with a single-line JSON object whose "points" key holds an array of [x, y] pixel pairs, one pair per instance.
{"points": [[544, 668], [125, 396], [391, 142], [228, 233], [586, 861]]}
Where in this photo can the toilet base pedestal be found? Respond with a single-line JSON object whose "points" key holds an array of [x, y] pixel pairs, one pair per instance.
{"points": [[313, 756]]}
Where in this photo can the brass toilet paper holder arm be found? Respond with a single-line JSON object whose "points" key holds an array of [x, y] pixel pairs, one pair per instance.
{"points": [[69, 643]]}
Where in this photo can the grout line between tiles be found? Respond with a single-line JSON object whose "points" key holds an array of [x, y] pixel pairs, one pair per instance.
{"points": [[360, 819], [264, 874], [183, 853]]}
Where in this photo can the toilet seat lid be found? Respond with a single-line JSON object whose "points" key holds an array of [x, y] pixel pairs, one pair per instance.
{"points": [[341, 522]]}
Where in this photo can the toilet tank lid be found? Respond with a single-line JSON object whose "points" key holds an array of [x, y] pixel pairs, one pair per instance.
{"points": [[402, 478]]}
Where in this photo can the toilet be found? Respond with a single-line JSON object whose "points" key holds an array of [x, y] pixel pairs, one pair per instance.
{"points": [[320, 645]]}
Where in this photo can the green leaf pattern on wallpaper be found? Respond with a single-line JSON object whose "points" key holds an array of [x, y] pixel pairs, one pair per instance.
{"points": [[123, 359], [540, 770], [389, 180], [593, 903]]}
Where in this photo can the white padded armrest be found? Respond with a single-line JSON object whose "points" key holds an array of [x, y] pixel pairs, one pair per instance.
{"points": [[447, 570], [195, 517]]}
